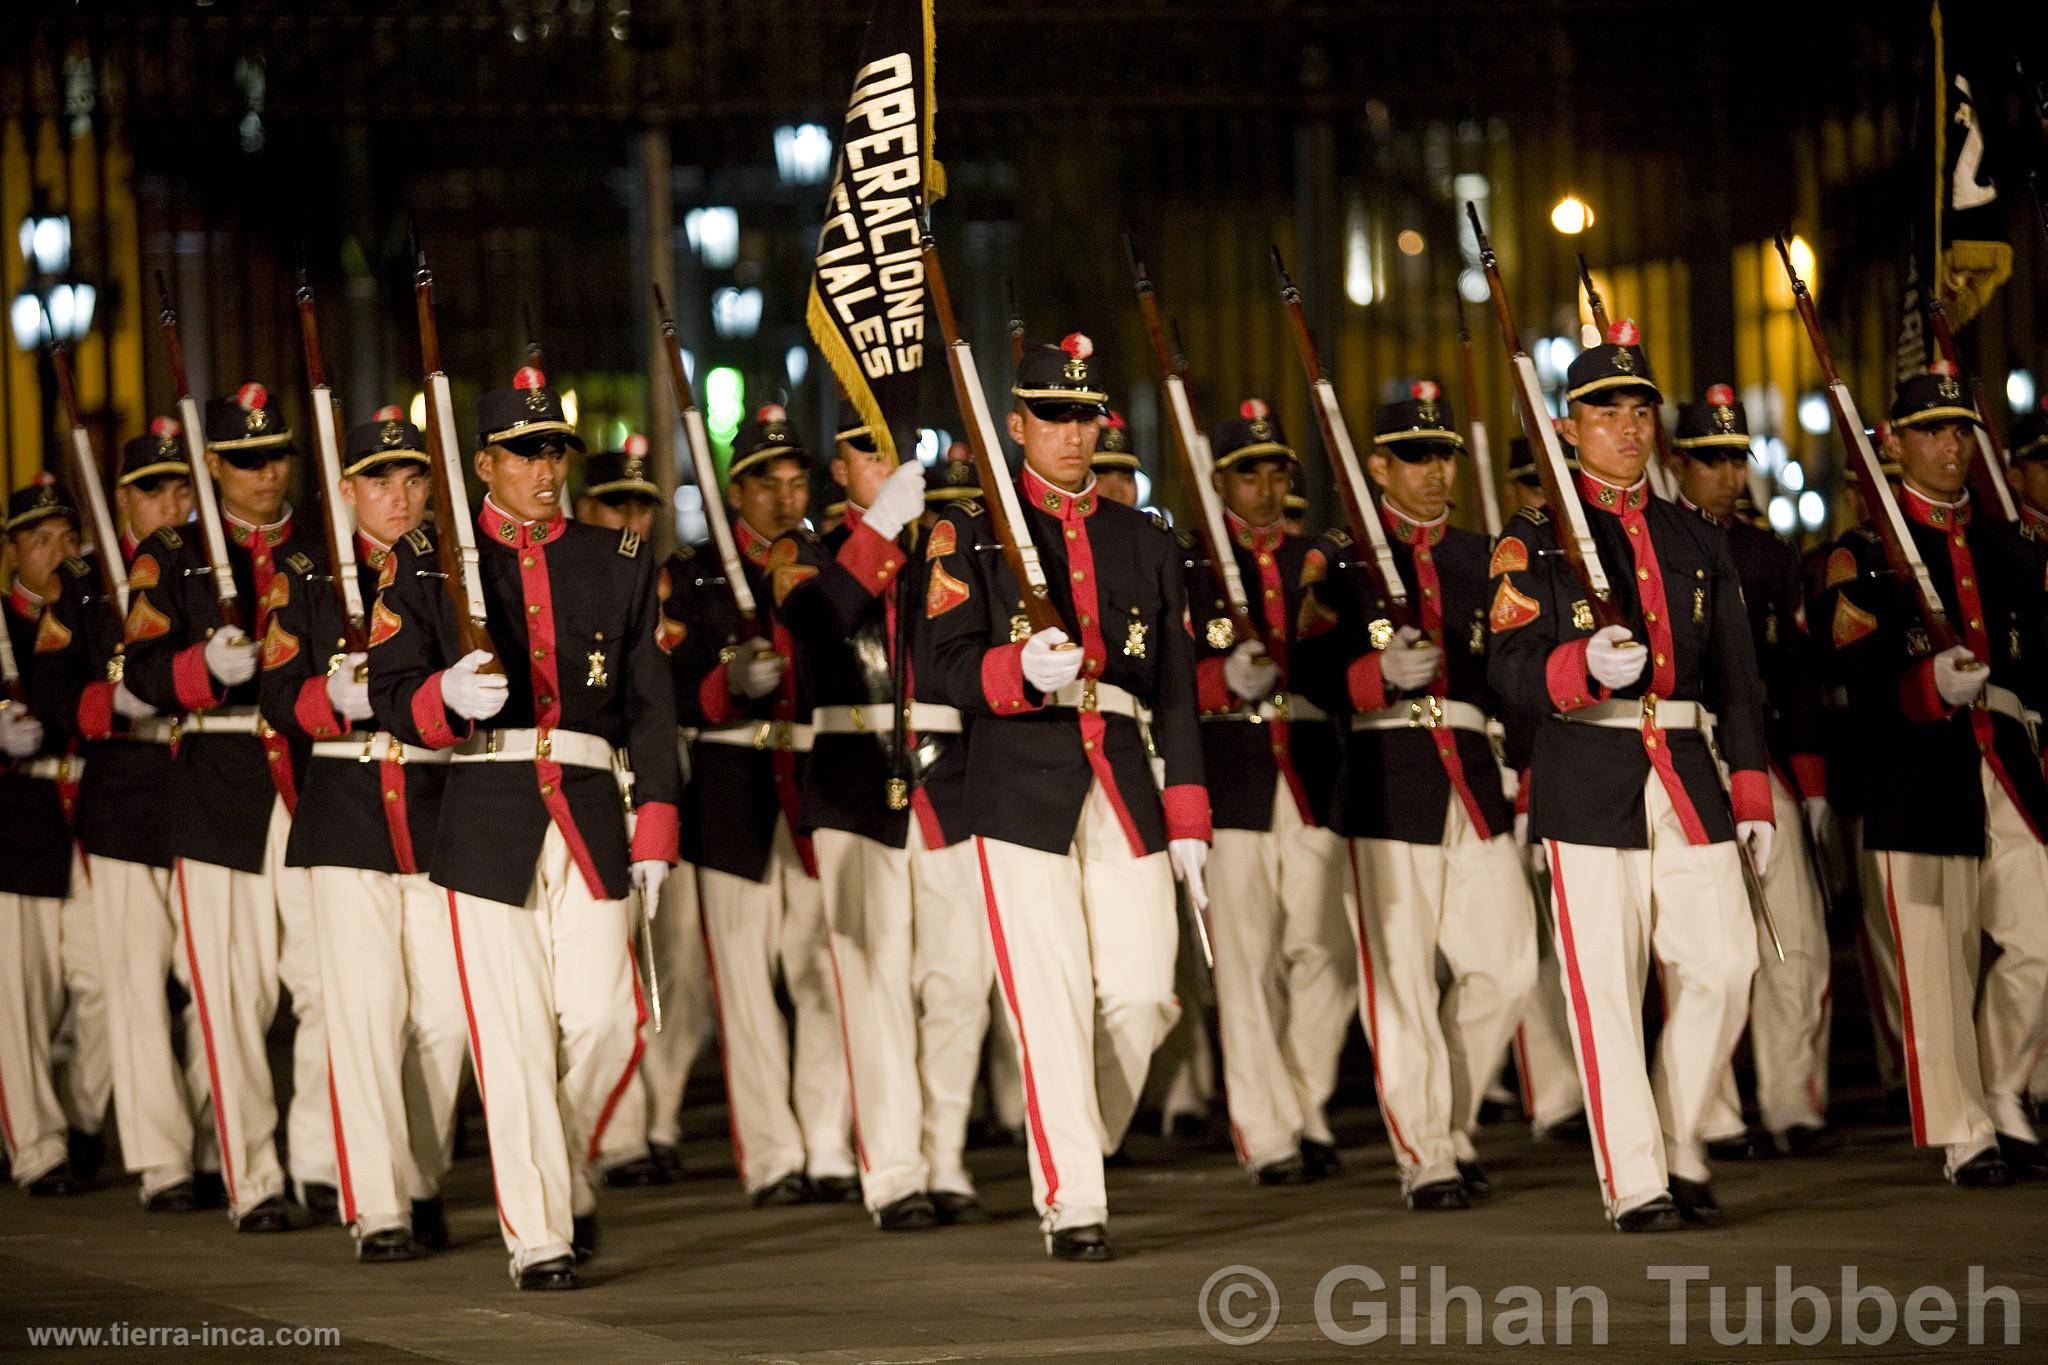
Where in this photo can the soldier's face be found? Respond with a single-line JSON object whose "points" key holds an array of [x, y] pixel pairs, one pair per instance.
{"points": [[627, 514], [528, 487], [2030, 478], [1421, 490], [1712, 485], [1615, 436], [1059, 451], [167, 502], [39, 548], [772, 499], [1935, 460], [1518, 495], [1118, 485], [388, 501], [252, 495], [1256, 493], [860, 472]]}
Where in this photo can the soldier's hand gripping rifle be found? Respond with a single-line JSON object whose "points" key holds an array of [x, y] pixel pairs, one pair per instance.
{"points": [[1987, 471], [1475, 426], [341, 541], [1662, 481], [203, 495], [455, 543], [85, 472]]}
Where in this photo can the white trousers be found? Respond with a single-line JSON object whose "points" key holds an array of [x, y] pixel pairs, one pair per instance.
{"points": [[1615, 911], [245, 933], [1084, 948], [1464, 900], [687, 1018], [783, 1123], [911, 964], [32, 1116], [1543, 1043], [395, 1037], [1970, 1045], [554, 1034], [86, 1078], [1789, 1001], [1285, 980], [163, 1113]]}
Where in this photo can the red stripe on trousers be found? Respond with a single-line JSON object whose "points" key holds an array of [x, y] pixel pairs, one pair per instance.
{"points": [[1891, 910], [476, 1055], [1002, 950], [348, 1191], [1522, 1081], [611, 1101], [732, 1118], [220, 1116], [1372, 1028], [1583, 1014]]}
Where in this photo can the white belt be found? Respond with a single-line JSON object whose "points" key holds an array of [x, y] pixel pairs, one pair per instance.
{"points": [[1086, 694], [1634, 714], [64, 768], [378, 746], [879, 718], [1424, 713], [783, 736], [155, 730], [1280, 706], [572, 748], [238, 720]]}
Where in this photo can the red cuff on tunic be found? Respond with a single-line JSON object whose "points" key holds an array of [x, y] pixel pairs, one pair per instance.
{"points": [[316, 714], [1810, 775], [1368, 686], [1571, 687], [1212, 693], [193, 684], [871, 559], [657, 833], [1002, 680], [1187, 811], [715, 699], [430, 715], [1923, 704], [96, 711], [1522, 792], [1749, 793]]}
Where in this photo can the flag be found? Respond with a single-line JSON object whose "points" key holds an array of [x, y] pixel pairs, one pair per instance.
{"points": [[868, 299]]}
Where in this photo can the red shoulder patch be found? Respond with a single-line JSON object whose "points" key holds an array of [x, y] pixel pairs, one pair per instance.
{"points": [[945, 593], [1314, 567], [51, 635], [668, 634], [143, 573], [790, 575], [1851, 622], [278, 594], [1510, 556], [384, 623], [1842, 567], [280, 646], [1511, 609], [144, 622], [945, 539]]}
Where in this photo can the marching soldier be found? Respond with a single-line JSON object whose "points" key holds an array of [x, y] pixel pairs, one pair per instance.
{"points": [[1115, 465], [123, 794], [901, 888], [2028, 471], [742, 822], [365, 831], [1788, 1023], [1625, 793], [1078, 847], [1296, 513], [245, 915], [1284, 980], [534, 848], [1953, 850], [1435, 871], [617, 492]]}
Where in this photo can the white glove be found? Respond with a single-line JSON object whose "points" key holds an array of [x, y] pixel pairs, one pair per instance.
{"points": [[1815, 809], [230, 656], [1612, 663], [1757, 835], [127, 704], [21, 734], [479, 696], [1189, 857], [647, 875], [1046, 666], [900, 501], [1249, 673], [755, 671], [347, 696], [1410, 661], [1958, 685]]}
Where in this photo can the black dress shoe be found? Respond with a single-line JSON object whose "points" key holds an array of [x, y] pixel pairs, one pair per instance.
{"points": [[1320, 1158], [430, 1224], [321, 1200], [1193, 1129], [272, 1215], [390, 1244], [87, 1151], [1086, 1243], [556, 1273], [789, 1189], [583, 1236], [1438, 1196], [1288, 1170], [955, 1209], [209, 1189], [1659, 1215], [1804, 1139], [56, 1184], [911, 1213], [669, 1158], [1477, 1186], [835, 1189], [1748, 1145], [178, 1198], [639, 1173], [1571, 1129], [1696, 1202], [1984, 1171], [2024, 1159]]}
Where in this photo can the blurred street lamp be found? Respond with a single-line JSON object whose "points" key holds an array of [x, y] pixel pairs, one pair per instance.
{"points": [[1571, 215]]}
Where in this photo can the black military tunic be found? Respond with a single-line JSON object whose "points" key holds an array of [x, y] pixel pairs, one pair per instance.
{"points": [[1398, 784], [839, 596], [1675, 586], [224, 784], [1990, 580], [572, 614], [1117, 579], [33, 810]]}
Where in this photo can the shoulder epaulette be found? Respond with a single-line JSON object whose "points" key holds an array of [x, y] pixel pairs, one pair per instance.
{"points": [[1338, 538], [420, 541], [76, 566], [686, 552], [1866, 531], [170, 538], [969, 507], [629, 543], [1184, 538], [808, 535], [1535, 516], [1158, 518], [297, 562]]}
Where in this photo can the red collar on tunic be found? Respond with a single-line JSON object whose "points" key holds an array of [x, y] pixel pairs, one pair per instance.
{"points": [[754, 545], [25, 603], [1409, 531], [1258, 539], [514, 534], [1932, 511], [247, 535], [1611, 498], [1058, 501]]}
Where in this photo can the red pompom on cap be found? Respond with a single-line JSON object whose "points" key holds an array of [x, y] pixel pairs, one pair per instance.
{"points": [[1251, 409], [1077, 345], [1426, 390], [390, 412], [1624, 332], [44, 479], [1115, 421], [636, 445], [770, 412], [1942, 367], [252, 397], [1721, 396], [529, 377], [960, 453], [166, 426]]}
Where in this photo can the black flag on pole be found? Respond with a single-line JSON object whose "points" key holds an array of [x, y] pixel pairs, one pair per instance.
{"points": [[868, 298]]}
